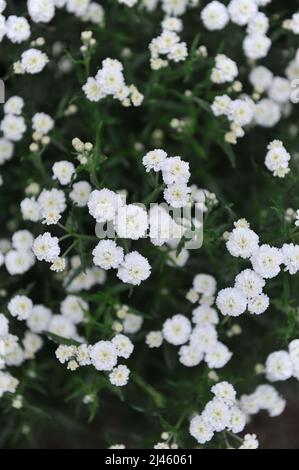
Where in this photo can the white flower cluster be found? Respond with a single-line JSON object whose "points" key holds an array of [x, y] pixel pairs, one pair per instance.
{"points": [[202, 339], [43, 11], [103, 356], [266, 262], [239, 112], [12, 353], [175, 174], [282, 365], [277, 159], [167, 46], [132, 221], [256, 45], [110, 81], [17, 254], [264, 398], [222, 412], [13, 127]]}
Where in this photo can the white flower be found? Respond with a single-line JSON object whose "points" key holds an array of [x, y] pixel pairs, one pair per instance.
{"points": [[242, 242], [78, 7], [241, 112], [17, 29], [279, 366], [224, 391], [277, 159], [42, 123], [267, 113], [104, 204], [174, 7], [65, 353], [205, 315], [124, 346], [14, 105], [258, 24], [221, 105], [280, 90], [20, 307], [204, 337], [250, 442], [214, 16], [3, 326], [162, 226], [13, 127], [190, 355], [7, 383], [267, 398], [6, 150], [258, 304], [22, 240], [132, 323], [41, 11], [217, 414], [204, 284], [62, 326], [108, 255], [225, 69], [178, 260], [231, 301], [2, 5], [119, 376], [103, 355], [53, 200], [177, 195], [134, 269], [237, 420], [154, 159], [95, 13], [72, 307], [256, 46], [129, 3], [201, 430], [249, 283], [241, 11], [131, 221], [30, 209], [33, 61], [266, 261], [178, 52], [58, 265], [93, 90], [261, 78], [294, 23], [171, 23], [154, 339], [175, 170], [46, 247], [82, 355], [39, 319], [80, 193], [110, 77], [177, 329], [63, 172], [18, 262], [218, 356], [32, 343]]}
